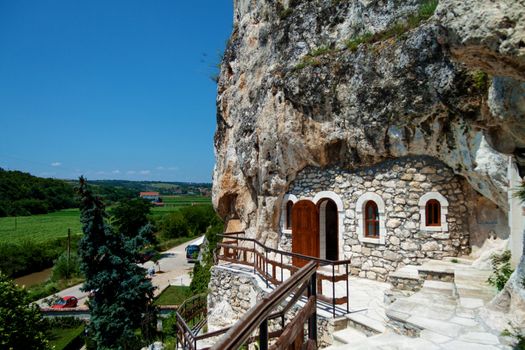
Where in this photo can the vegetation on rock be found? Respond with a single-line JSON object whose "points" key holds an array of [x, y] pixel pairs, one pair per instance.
{"points": [[501, 269]]}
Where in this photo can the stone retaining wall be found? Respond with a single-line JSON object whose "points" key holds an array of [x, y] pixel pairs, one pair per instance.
{"points": [[233, 293]]}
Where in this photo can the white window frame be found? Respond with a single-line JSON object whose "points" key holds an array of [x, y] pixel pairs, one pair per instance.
{"points": [[286, 199], [443, 202], [360, 214]]}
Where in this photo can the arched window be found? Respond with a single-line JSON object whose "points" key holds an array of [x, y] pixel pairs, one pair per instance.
{"points": [[370, 213], [289, 206], [371, 220], [433, 213], [433, 210]]}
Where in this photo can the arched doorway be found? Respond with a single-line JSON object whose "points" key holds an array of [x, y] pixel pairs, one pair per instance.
{"points": [[328, 229], [305, 230]]}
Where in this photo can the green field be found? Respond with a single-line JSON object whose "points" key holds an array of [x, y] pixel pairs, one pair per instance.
{"points": [[40, 228], [45, 227], [172, 203]]}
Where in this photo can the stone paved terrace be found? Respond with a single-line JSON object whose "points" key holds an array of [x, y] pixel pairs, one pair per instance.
{"points": [[447, 311], [444, 314]]}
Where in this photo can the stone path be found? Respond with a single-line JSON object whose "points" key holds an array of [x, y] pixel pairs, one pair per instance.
{"points": [[442, 315]]}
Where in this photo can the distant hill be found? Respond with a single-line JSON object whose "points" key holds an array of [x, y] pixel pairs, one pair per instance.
{"points": [[164, 188], [24, 194]]}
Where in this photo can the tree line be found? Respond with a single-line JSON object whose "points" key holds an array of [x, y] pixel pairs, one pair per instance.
{"points": [[24, 194]]}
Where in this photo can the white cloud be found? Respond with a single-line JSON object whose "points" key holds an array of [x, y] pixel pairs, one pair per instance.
{"points": [[101, 172], [145, 172], [56, 164], [116, 171], [160, 168], [131, 172], [173, 168]]}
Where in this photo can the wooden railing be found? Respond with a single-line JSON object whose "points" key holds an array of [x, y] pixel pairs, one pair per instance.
{"points": [[191, 318], [275, 266], [258, 317]]}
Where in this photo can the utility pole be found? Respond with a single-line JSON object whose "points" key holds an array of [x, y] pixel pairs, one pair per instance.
{"points": [[68, 250]]}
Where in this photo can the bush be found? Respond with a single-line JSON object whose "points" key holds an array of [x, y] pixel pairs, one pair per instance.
{"points": [[174, 225], [17, 259], [21, 324], [64, 269], [201, 273], [501, 269]]}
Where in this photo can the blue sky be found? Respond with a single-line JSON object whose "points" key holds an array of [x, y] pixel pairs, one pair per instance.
{"points": [[110, 89]]}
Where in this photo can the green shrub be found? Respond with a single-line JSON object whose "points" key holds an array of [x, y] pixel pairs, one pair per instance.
{"points": [[501, 269], [20, 258], [398, 29], [517, 334], [427, 9], [64, 269]]}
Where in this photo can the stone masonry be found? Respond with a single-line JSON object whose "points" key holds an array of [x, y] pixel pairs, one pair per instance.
{"points": [[400, 183]]}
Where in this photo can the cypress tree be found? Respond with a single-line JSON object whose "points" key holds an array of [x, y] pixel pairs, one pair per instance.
{"points": [[121, 295]]}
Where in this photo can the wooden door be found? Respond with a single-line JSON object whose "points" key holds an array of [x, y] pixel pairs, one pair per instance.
{"points": [[305, 231]]}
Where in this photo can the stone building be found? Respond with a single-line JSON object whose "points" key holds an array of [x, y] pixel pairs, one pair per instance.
{"points": [[397, 212]]}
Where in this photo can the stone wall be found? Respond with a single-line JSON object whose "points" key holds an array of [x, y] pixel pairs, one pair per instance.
{"points": [[233, 293], [401, 184]]}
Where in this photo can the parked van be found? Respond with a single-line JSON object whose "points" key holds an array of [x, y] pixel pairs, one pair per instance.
{"points": [[193, 250]]}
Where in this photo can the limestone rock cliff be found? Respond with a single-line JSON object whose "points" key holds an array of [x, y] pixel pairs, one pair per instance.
{"points": [[301, 84]]}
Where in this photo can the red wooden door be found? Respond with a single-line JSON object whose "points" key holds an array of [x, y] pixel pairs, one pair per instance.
{"points": [[305, 231]]}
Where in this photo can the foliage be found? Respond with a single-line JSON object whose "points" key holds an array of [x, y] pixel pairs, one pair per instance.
{"points": [[313, 57], [517, 334], [121, 294], [21, 324], [173, 295], [66, 338], [130, 216], [66, 268], [427, 9], [501, 269], [24, 194], [174, 225], [520, 192], [49, 288], [480, 81], [201, 273], [27, 256], [397, 29], [187, 222]]}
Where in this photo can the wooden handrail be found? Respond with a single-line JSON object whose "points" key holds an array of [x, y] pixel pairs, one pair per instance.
{"points": [[242, 330], [255, 254]]}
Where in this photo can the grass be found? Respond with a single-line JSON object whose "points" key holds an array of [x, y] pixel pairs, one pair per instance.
{"points": [[170, 243], [40, 228], [398, 29], [173, 295], [313, 57], [61, 337], [46, 227]]}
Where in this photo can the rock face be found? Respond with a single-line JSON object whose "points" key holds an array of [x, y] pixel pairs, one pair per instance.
{"points": [[354, 83], [405, 95]]}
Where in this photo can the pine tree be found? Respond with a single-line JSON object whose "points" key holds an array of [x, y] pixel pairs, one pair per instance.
{"points": [[121, 295]]}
